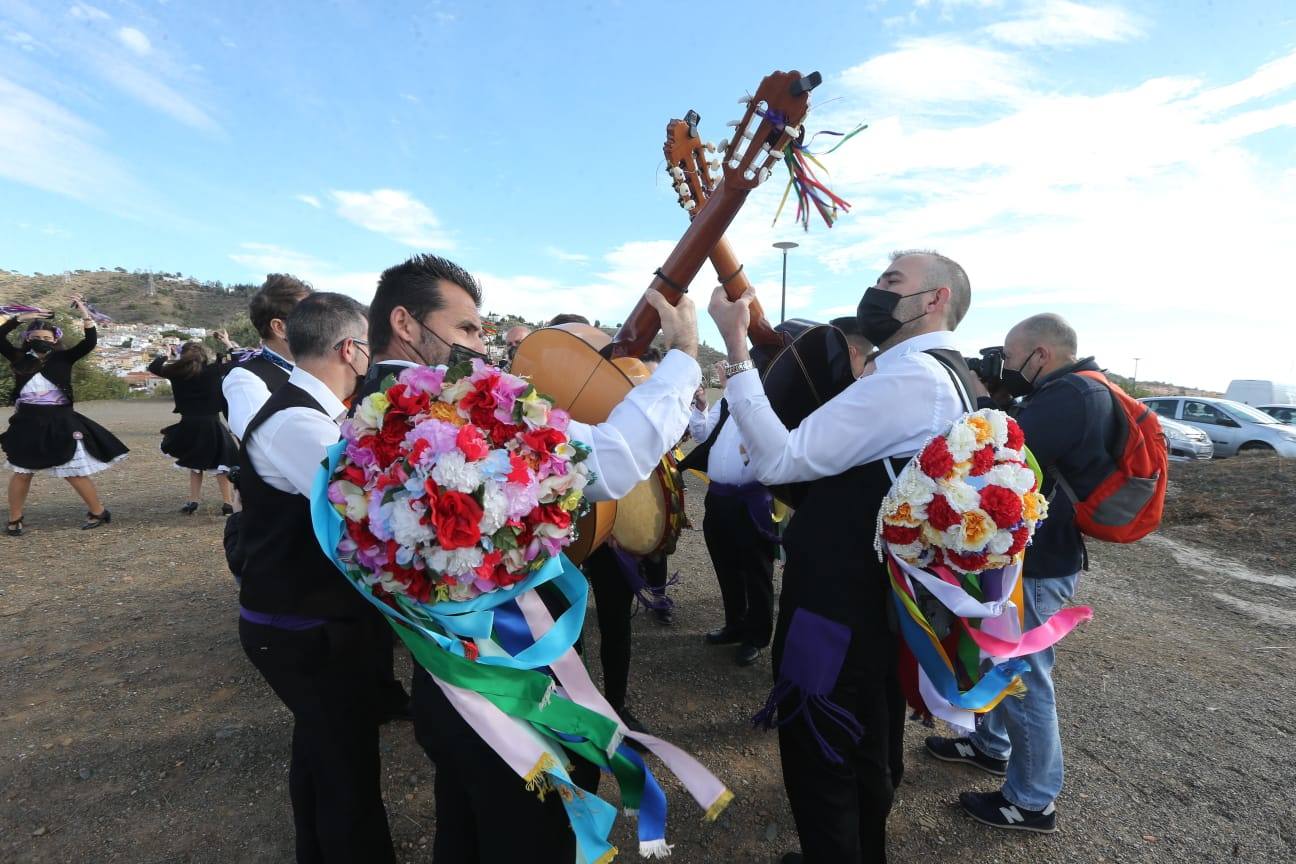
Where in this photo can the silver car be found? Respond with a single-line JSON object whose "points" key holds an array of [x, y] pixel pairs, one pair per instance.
{"points": [[1186, 443], [1281, 413], [1232, 426]]}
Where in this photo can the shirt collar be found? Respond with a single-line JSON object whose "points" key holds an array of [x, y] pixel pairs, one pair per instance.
{"points": [[318, 391], [276, 358], [401, 363], [915, 344]]}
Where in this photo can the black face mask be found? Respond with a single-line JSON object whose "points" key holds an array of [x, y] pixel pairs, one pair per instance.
{"points": [[1018, 384], [40, 347], [876, 314], [458, 353]]}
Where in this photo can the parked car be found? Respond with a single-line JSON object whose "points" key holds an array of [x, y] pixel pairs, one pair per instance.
{"points": [[1281, 413], [1232, 426], [1251, 391], [1186, 443]]}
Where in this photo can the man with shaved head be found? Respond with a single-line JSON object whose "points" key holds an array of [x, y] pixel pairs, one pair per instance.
{"points": [[513, 338], [834, 650], [1071, 427]]}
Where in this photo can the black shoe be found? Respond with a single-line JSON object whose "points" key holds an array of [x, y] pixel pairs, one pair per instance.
{"points": [[723, 636], [993, 809], [665, 617], [15, 528], [396, 713], [964, 751], [190, 508], [227, 509], [747, 655], [95, 520]]}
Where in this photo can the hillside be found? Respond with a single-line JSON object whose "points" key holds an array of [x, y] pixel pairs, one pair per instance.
{"points": [[132, 298]]}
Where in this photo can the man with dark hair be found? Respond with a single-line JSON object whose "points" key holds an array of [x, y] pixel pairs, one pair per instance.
{"points": [[567, 318], [304, 627], [861, 349], [834, 646], [248, 385]]}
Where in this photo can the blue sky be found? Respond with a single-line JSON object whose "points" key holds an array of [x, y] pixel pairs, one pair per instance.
{"points": [[1129, 165]]}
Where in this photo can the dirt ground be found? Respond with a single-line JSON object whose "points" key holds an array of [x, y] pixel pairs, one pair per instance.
{"points": [[134, 730]]}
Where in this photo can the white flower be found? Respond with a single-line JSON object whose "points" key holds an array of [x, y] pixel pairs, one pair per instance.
{"points": [[454, 562], [1014, 477], [961, 440], [460, 591], [406, 528], [452, 393], [998, 421], [910, 552], [914, 486], [555, 486], [960, 495], [494, 507], [452, 471], [1000, 543]]}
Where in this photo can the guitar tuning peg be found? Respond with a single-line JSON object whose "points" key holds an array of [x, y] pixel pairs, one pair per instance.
{"points": [[689, 205], [723, 146], [734, 123], [733, 164], [677, 172], [748, 174], [764, 174], [709, 147], [745, 99]]}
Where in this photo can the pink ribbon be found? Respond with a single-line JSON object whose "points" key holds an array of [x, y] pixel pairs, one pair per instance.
{"points": [[1032, 641]]}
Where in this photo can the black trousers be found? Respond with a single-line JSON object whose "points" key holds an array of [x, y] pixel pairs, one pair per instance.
{"points": [[485, 815], [392, 697], [613, 605], [744, 567], [841, 810], [325, 677]]}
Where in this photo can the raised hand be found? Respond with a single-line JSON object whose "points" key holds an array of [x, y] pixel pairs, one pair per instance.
{"points": [[678, 322]]}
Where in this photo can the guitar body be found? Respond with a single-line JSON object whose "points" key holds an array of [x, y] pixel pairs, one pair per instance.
{"points": [[800, 377]]}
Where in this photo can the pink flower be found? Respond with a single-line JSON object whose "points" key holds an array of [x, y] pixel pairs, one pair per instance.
{"points": [[439, 434], [558, 419], [506, 390], [360, 456], [428, 379], [335, 495]]}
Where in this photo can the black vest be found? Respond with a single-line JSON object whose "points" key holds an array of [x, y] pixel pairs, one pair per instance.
{"points": [[698, 458], [285, 572], [373, 380], [272, 374]]}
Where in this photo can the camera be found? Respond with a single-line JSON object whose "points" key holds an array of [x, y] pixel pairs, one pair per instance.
{"points": [[989, 366]]}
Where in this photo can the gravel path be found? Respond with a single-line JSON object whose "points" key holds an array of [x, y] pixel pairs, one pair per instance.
{"points": [[133, 728]]}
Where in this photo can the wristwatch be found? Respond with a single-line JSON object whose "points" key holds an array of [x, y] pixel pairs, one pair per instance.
{"points": [[732, 369]]}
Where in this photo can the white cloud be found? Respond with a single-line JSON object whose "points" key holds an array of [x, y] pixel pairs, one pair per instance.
{"points": [[1063, 22], [309, 199], [565, 256], [395, 214], [263, 258], [23, 40], [135, 41], [938, 71], [87, 12]]}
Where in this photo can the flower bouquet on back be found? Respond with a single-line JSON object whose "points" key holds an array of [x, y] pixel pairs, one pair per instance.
{"points": [[953, 531], [449, 499]]}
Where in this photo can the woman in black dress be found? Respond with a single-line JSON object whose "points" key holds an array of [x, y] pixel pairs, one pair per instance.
{"points": [[44, 433], [200, 441]]}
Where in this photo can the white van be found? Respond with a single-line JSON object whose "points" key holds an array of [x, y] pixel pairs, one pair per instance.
{"points": [[1252, 392]]}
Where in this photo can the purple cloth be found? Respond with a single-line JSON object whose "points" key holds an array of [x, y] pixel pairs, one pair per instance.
{"points": [[758, 499], [280, 621], [49, 397]]}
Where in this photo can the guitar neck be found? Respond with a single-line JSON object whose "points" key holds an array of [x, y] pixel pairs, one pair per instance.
{"points": [[683, 264], [726, 266]]}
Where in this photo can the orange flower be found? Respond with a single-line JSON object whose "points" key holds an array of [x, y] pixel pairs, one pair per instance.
{"points": [[445, 412], [981, 426], [977, 528], [903, 515], [1034, 506]]}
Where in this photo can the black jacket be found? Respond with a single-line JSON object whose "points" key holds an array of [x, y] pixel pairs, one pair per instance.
{"points": [[1071, 428], [58, 365], [198, 395]]}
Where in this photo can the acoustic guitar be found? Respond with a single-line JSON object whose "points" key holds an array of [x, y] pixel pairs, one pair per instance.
{"points": [[802, 364], [584, 379]]}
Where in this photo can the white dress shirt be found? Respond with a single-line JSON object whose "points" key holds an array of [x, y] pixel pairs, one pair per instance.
{"points": [[627, 446], [891, 413], [728, 461], [286, 450], [245, 393]]}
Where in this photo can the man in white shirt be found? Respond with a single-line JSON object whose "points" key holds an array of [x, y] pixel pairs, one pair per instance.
{"points": [[834, 644], [301, 623], [738, 528], [430, 309], [248, 385]]}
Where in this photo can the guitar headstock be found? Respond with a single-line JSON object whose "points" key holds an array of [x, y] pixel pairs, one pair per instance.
{"points": [[692, 173], [772, 119]]}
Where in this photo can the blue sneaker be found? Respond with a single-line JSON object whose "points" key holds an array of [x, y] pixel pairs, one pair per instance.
{"points": [[964, 751], [993, 809]]}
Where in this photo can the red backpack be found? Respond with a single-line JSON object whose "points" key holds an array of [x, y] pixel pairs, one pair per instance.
{"points": [[1126, 506]]}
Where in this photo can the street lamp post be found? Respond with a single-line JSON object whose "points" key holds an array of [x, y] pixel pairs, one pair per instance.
{"points": [[1134, 383], [785, 245]]}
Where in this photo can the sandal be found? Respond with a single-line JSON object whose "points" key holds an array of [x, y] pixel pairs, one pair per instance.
{"points": [[190, 508], [15, 528], [94, 521]]}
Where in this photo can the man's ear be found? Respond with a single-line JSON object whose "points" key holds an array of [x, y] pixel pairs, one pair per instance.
{"points": [[279, 327]]}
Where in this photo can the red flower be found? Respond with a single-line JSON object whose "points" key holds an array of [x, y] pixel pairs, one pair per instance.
{"points": [[406, 401], [982, 461], [1003, 505], [1020, 536], [940, 515], [1016, 437], [501, 433], [968, 562], [554, 515], [455, 516], [470, 649], [936, 461], [518, 469], [900, 535], [354, 474], [544, 439], [416, 450], [471, 443]]}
